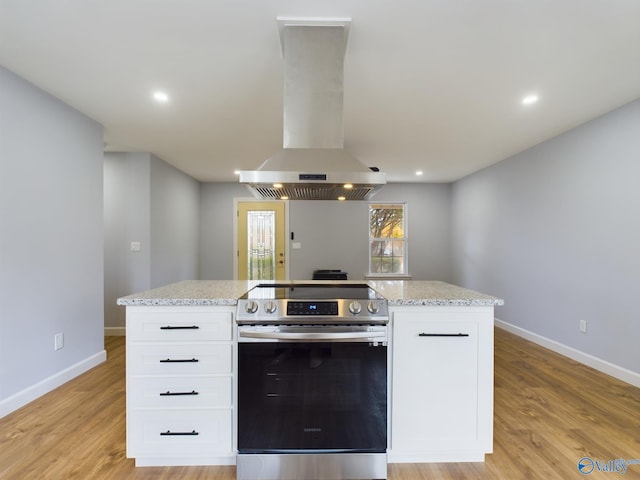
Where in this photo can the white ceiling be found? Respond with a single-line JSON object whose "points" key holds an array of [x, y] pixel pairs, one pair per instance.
{"points": [[432, 85]]}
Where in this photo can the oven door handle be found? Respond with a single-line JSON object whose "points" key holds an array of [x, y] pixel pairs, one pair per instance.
{"points": [[313, 336]]}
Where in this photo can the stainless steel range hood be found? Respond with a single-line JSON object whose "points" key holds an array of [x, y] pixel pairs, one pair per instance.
{"points": [[313, 164]]}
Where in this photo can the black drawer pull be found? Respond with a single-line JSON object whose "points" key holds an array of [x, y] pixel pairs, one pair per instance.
{"points": [[174, 394], [171, 327], [180, 360], [443, 334], [170, 433]]}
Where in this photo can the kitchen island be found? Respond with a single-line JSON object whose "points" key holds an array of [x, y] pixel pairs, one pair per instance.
{"points": [[181, 367]]}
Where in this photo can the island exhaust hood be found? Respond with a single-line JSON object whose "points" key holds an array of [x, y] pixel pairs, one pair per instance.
{"points": [[313, 165]]}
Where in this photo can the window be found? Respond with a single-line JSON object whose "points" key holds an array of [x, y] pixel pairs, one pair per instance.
{"points": [[387, 239]]}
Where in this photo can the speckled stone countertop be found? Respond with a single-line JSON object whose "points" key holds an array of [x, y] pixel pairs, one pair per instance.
{"points": [[226, 292], [424, 292], [191, 292]]}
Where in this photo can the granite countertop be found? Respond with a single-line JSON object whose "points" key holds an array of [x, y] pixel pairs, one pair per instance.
{"points": [[191, 292], [226, 292], [427, 292]]}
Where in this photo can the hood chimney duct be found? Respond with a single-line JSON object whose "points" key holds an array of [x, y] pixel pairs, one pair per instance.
{"points": [[313, 98]]}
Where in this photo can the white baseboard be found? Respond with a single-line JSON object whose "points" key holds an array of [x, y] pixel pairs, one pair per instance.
{"points": [[114, 331], [29, 394], [596, 363]]}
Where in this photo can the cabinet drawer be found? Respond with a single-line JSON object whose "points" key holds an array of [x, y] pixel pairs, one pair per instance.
{"points": [[179, 359], [179, 392], [171, 433], [177, 325]]}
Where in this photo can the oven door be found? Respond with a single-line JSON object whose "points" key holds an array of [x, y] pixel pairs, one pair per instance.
{"points": [[297, 395]]}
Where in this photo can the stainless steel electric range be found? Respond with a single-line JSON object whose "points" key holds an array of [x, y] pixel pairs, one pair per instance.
{"points": [[312, 382]]}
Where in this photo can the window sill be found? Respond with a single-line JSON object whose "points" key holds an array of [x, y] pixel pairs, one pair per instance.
{"points": [[382, 276]]}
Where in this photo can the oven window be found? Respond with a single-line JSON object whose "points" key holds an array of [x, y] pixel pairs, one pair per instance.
{"points": [[310, 396]]}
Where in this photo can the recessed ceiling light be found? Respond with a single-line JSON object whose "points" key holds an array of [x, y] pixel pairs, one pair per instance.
{"points": [[348, 186], [277, 185], [160, 97], [530, 99], [342, 198], [419, 172], [284, 197], [236, 172]]}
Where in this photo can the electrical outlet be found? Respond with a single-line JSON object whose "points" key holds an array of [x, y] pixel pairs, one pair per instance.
{"points": [[583, 326], [58, 341]]}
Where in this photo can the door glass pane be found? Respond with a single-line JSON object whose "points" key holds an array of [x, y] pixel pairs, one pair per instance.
{"points": [[261, 240]]}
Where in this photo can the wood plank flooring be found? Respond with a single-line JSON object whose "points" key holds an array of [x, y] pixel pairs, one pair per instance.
{"points": [[549, 412]]}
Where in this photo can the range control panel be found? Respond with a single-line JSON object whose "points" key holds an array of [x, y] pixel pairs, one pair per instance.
{"points": [[312, 308], [286, 311]]}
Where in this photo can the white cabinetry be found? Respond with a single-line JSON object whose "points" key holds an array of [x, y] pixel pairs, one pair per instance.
{"points": [[442, 384], [180, 367]]}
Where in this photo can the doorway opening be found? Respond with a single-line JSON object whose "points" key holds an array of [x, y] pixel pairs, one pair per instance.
{"points": [[261, 240]]}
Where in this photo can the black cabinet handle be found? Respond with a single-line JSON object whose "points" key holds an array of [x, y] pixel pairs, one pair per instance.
{"points": [[170, 433], [180, 360], [171, 327], [443, 334], [173, 394]]}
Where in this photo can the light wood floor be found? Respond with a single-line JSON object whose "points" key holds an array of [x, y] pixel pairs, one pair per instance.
{"points": [[549, 413]]}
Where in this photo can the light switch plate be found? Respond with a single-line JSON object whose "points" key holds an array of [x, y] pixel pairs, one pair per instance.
{"points": [[583, 326], [58, 341], [135, 246]]}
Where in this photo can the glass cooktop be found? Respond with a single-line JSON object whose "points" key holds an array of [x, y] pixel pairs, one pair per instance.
{"points": [[314, 291]]}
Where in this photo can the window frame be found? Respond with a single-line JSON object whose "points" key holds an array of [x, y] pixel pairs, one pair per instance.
{"points": [[404, 239]]}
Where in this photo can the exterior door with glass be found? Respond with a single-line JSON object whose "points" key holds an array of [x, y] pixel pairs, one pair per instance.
{"points": [[261, 241]]}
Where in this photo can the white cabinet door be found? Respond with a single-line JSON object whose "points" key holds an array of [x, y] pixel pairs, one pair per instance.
{"points": [[436, 396]]}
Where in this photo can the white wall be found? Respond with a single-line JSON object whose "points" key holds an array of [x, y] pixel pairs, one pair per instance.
{"points": [[555, 231], [333, 235], [336, 234], [149, 201], [127, 218], [51, 241], [175, 215]]}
